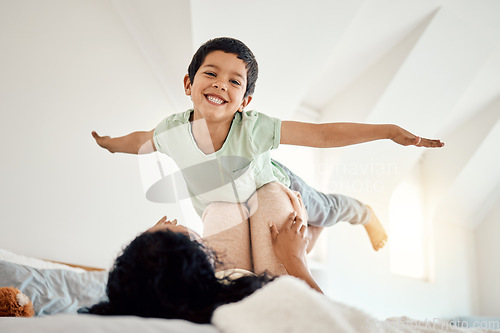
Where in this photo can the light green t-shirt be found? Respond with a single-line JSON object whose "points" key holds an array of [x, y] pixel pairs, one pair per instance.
{"points": [[236, 170]]}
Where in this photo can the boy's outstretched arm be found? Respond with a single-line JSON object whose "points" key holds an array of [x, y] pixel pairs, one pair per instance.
{"points": [[132, 143], [344, 134]]}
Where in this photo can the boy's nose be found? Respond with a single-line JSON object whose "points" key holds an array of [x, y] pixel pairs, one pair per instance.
{"points": [[219, 85]]}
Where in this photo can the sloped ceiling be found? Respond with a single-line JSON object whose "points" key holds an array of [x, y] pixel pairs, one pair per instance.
{"points": [[430, 66]]}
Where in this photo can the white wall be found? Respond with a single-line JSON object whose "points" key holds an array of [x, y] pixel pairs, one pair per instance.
{"points": [[488, 264], [69, 68]]}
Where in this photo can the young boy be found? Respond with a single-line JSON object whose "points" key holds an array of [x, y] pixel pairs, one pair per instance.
{"points": [[221, 80]]}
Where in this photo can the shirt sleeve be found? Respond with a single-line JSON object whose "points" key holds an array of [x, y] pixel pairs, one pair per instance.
{"points": [[160, 136], [266, 133]]}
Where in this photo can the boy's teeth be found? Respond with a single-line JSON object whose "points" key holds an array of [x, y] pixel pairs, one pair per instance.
{"points": [[215, 99]]}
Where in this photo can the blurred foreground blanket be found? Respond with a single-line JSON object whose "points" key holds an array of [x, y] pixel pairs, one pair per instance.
{"points": [[289, 305]]}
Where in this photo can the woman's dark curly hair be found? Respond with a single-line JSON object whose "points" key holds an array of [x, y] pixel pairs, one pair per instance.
{"points": [[165, 274]]}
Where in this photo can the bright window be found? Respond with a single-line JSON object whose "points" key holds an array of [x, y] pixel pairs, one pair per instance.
{"points": [[406, 223]]}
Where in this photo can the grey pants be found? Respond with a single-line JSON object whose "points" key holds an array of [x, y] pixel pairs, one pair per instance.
{"points": [[325, 210]]}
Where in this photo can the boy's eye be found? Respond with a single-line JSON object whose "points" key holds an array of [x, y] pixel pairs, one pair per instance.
{"points": [[235, 82], [210, 73]]}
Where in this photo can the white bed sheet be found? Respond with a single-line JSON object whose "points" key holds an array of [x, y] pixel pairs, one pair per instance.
{"points": [[74, 323]]}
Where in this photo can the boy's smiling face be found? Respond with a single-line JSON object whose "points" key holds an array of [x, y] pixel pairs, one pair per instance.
{"points": [[218, 87]]}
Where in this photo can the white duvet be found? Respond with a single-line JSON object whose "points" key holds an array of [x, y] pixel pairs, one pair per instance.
{"points": [[290, 305]]}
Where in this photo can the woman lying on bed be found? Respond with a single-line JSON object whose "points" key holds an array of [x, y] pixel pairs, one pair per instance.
{"points": [[167, 272]]}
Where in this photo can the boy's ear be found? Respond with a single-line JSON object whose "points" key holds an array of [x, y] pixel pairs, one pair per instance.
{"points": [[187, 85], [245, 102]]}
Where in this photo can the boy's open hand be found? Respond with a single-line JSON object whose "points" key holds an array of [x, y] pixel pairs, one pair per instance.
{"points": [[133, 143], [101, 140], [405, 138], [290, 241]]}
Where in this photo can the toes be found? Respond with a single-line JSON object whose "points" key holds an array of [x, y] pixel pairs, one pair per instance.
{"points": [[378, 245]]}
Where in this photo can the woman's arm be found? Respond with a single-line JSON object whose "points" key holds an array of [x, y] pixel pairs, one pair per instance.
{"points": [[290, 244], [133, 143], [331, 135]]}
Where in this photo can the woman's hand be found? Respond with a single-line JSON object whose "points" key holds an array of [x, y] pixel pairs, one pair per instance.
{"points": [[163, 223], [289, 245], [405, 138], [290, 241]]}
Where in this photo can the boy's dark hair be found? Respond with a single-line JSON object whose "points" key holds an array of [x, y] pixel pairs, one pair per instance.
{"points": [[228, 45]]}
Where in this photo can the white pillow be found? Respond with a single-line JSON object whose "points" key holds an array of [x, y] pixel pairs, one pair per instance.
{"points": [[35, 263], [55, 290]]}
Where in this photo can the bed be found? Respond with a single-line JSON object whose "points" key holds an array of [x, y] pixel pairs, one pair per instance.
{"points": [[58, 291]]}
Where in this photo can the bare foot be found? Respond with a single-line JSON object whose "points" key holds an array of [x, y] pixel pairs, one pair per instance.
{"points": [[376, 231], [312, 234]]}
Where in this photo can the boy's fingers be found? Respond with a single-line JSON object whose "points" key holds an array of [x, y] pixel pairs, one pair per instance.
{"points": [[433, 143], [422, 142]]}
